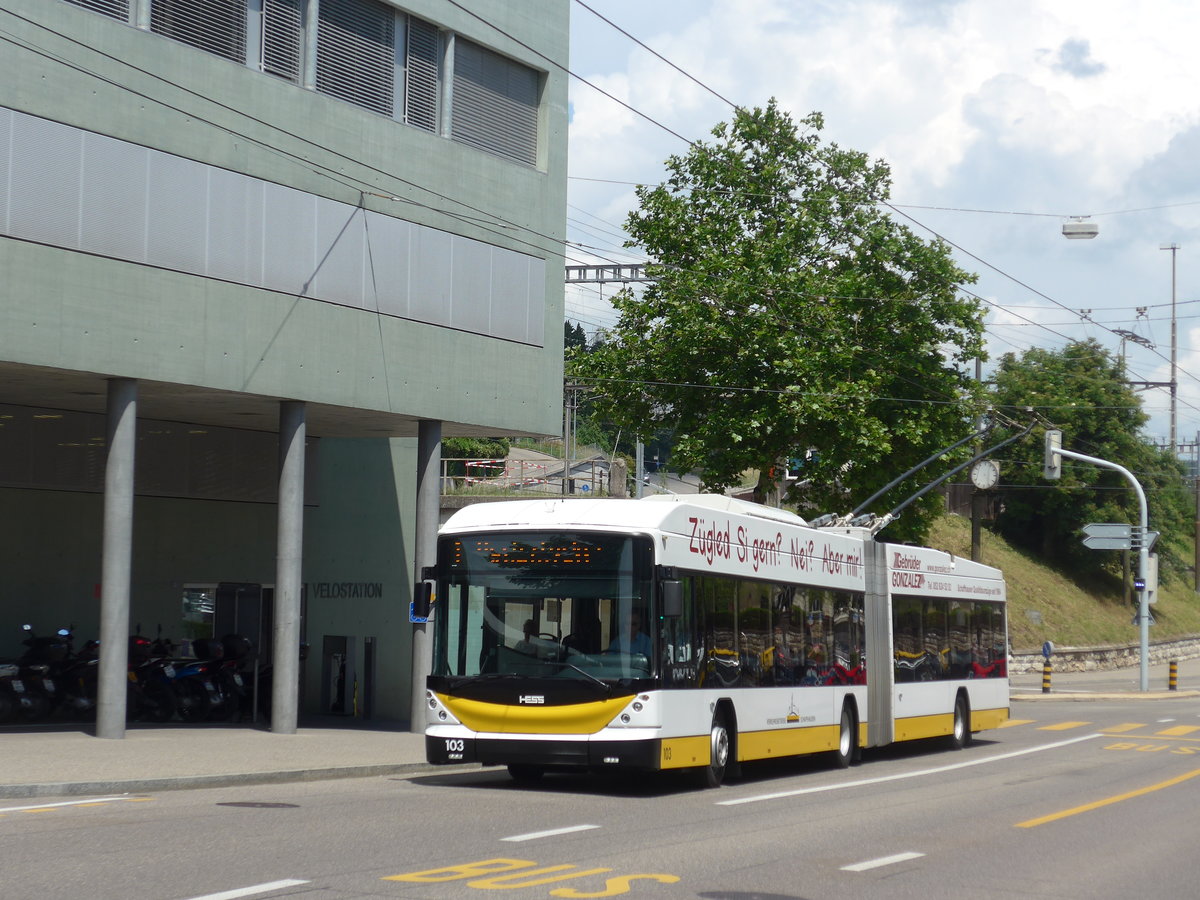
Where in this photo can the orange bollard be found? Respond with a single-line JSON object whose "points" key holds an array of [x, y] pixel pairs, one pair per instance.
{"points": [[1173, 676]]}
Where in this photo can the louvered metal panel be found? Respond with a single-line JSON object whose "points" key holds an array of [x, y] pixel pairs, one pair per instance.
{"points": [[495, 103], [117, 9], [422, 68], [281, 35], [356, 53], [63, 187], [216, 26]]}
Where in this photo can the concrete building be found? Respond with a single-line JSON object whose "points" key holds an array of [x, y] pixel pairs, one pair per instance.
{"points": [[249, 249]]}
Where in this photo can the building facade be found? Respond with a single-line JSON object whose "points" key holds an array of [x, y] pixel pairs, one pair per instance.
{"points": [[223, 215]]}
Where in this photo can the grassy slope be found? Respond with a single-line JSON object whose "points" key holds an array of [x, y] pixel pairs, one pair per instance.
{"points": [[1072, 615]]}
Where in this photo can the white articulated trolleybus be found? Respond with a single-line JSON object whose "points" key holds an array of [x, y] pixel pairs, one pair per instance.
{"points": [[699, 632]]}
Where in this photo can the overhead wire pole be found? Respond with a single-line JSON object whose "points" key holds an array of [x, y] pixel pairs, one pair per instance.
{"points": [[1174, 248], [607, 273]]}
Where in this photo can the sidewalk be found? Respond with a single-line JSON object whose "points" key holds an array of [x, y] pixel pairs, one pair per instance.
{"points": [[66, 760], [1108, 684]]}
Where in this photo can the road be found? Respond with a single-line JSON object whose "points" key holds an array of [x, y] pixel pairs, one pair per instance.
{"points": [[1074, 800]]}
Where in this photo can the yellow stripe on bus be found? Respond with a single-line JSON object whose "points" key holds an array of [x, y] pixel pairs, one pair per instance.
{"points": [[917, 727], [504, 718], [983, 719], [683, 752], [786, 742]]}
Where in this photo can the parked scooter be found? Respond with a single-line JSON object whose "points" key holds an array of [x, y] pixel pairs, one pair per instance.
{"points": [[37, 691], [10, 688], [152, 695], [219, 663]]}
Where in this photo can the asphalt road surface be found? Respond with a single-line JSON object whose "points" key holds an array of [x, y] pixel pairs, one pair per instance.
{"points": [[1076, 800]]}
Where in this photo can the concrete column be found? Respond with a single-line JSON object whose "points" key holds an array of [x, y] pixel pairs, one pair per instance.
{"points": [[285, 688], [429, 493], [308, 59], [116, 558]]}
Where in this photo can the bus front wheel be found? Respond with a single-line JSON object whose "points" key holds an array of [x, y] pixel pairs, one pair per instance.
{"points": [[714, 772]]}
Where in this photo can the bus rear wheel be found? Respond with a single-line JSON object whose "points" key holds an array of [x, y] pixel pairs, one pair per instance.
{"points": [[961, 735], [843, 756], [714, 772]]}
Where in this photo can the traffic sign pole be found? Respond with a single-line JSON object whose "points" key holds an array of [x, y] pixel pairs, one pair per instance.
{"points": [[1143, 549]]}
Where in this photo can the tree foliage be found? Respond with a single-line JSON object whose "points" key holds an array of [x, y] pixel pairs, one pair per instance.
{"points": [[789, 313], [1082, 390]]}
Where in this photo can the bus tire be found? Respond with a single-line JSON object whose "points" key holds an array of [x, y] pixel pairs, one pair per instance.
{"points": [[960, 737], [523, 773], [719, 750], [843, 756]]}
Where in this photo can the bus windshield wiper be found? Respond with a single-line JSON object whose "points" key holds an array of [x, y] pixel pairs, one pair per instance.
{"points": [[604, 684]]}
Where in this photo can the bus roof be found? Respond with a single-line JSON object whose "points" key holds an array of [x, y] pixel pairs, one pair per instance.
{"points": [[649, 512]]}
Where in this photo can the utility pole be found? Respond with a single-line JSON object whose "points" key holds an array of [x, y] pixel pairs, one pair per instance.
{"points": [[1174, 248]]}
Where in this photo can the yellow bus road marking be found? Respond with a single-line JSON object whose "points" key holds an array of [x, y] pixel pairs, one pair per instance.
{"points": [[1169, 745], [1177, 731], [1011, 722], [1108, 801], [44, 807], [1122, 728], [503, 874], [1063, 726]]}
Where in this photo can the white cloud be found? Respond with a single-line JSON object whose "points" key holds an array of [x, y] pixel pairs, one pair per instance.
{"points": [[1051, 106]]}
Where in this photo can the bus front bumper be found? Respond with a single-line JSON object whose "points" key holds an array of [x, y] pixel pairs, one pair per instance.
{"points": [[643, 753]]}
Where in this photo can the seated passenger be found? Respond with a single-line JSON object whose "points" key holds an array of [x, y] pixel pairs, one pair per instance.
{"points": [[632, 639]]}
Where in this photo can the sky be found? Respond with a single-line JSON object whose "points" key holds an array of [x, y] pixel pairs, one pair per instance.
{"points": [[1001, 121]]}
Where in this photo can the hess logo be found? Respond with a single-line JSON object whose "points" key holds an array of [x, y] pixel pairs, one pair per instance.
{"points": [[531, 699]]}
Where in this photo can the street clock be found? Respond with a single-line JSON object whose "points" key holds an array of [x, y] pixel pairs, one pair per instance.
{"points": [[985, 474]]}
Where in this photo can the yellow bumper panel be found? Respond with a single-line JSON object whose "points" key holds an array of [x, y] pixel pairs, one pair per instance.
{"points": [[502, 718]]}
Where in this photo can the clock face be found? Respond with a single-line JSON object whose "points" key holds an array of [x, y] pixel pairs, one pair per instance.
{"points": [[985, 474]]}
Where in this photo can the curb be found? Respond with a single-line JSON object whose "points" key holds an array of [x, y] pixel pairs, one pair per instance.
{"points": [[190, 782], [1083, 696]]}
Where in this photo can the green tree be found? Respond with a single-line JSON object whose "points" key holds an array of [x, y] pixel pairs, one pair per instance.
{"points": [[789, 312], [574, 337], [1082, 390]]}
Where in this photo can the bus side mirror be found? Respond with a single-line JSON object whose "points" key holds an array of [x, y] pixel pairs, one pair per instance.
{"points": [[672, 598], [422, 600]]}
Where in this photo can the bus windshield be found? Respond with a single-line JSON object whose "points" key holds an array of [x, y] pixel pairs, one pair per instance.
{"points": [[545, 604]]}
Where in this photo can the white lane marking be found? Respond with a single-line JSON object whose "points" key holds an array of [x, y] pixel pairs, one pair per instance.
{"points": [[882, 861], [253, 889], [903, 775], [534, 835], [8, 809]]}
